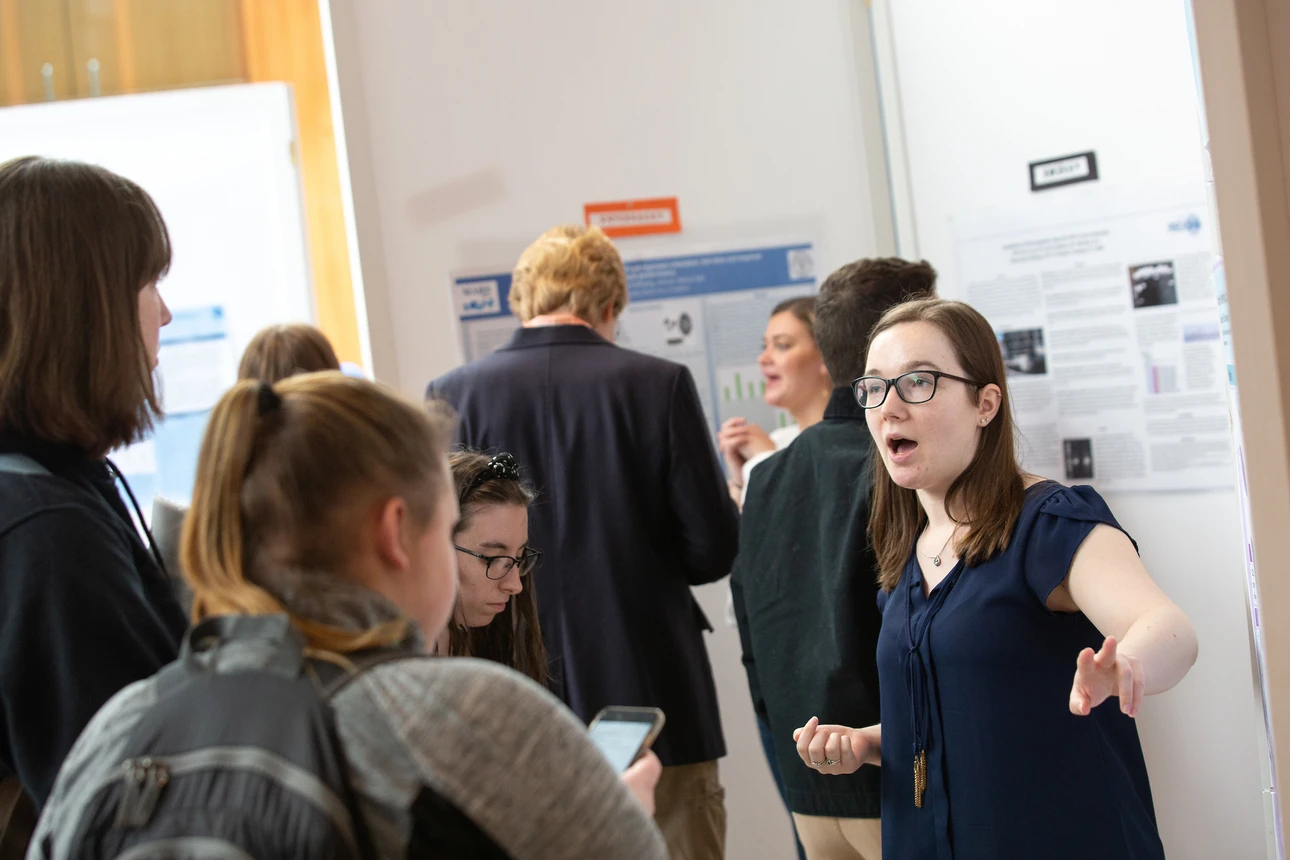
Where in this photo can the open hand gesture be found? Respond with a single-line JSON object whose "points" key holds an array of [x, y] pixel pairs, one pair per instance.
{"points": [[739, 441], [1104, 674]]}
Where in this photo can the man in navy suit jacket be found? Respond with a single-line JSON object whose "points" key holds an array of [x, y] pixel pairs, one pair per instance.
{"points": [[632, 511]]}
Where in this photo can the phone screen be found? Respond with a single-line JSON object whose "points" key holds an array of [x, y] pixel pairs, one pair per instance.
{"points": [[620, 740]]}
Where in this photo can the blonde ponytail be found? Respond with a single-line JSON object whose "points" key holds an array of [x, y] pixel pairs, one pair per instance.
{"points": [[212, 541], [280, 472]]}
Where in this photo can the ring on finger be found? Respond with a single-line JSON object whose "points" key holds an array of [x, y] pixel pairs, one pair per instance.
{"points": [[820, 763], [830, 761]]}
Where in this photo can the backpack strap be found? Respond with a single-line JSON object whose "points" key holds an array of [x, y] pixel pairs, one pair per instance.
{"points": [[210, 634], [288, 658], [333, 678], [21, 464]]}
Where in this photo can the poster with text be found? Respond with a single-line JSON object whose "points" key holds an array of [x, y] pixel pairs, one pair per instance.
{"points": [[1106, 315], [707, 311]]}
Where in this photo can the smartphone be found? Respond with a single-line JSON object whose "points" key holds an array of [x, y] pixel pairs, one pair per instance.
{"points": [[624, 734]]}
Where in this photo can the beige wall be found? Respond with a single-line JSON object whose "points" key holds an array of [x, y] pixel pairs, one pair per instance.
{"points": [[472, 127]]}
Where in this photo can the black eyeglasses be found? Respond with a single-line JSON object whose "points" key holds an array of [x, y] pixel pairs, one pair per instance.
{"points": [[526, 562], [916, 386]]}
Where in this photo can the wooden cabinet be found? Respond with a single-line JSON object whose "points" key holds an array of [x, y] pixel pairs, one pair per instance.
{"points": [[93, 33], [138, 45], [145, 45], [33, 33]]}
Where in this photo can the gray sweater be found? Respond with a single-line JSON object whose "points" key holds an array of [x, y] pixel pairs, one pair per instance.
{"points": [[504, 751]]}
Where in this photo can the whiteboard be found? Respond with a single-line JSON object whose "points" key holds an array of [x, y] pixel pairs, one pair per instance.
{"points": [[220, 163]]}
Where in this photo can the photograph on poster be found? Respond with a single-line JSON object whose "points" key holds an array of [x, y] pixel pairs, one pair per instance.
{"points": [[678, 328], [1023, 351], [1079, 459], [1153, 285]]}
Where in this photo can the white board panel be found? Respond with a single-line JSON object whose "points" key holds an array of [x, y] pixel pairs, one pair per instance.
{"points": [[220, 163]]}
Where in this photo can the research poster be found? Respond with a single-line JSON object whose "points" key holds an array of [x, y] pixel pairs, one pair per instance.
{"points": [[707, 311], [1108, 321]]}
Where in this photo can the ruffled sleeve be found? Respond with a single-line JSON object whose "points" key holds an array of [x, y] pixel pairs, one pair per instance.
{"points": [[1066, 516]]}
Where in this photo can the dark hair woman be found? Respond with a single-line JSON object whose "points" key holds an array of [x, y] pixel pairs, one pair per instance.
{"points": [[796, 381], [496, 616], [85, 607]]}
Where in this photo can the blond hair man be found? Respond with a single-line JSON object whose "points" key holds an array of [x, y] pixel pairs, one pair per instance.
{"points": [[632, 511]]}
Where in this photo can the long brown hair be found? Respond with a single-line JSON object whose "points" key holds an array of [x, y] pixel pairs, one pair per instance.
{"points": [[514, 637], [991, 489], [285, 473], [77, 244], [279, 351]]}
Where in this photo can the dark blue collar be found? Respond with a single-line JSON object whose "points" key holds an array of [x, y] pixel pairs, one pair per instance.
{"points": [[547, 335], [842, 405]]}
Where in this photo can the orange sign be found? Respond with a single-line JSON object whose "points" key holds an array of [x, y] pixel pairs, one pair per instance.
{"points": [[635, 217]]}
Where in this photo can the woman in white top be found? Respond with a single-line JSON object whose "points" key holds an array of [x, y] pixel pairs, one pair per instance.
{"points": [[796, 381]]}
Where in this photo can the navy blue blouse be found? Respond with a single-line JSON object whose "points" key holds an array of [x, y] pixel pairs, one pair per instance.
{"points": [[979, 675]]}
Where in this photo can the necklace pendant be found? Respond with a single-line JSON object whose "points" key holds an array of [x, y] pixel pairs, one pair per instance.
{"points": [[920, 778], [936, 560]]}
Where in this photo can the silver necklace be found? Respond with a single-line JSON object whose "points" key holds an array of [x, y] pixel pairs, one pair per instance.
{"points": [[936, 559]]}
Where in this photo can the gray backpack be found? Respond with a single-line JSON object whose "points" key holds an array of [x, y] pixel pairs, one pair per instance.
{"points": [[243, 764]]}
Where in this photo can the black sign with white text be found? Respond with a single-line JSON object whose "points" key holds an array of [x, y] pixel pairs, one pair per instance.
{"points": [[1067, 170]]}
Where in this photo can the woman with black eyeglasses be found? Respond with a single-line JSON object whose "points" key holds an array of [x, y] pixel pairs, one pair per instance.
{"points": [[496, 616], [1014, 609]]}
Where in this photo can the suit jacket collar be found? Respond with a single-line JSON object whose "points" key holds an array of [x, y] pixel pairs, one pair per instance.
{"points": [[547, 335]]}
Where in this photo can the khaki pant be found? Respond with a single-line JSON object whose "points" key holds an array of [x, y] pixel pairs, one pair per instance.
{"points": [[839, 838], [690, 809]]}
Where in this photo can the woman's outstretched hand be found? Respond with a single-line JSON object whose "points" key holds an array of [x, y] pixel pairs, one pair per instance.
{"points": [[1107, 673]]}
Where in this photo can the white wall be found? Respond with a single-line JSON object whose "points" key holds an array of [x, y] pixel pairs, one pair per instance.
{"points": [[473, 127], [984, 89]]}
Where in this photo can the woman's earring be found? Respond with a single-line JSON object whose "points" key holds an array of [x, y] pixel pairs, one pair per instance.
{"points": [[982, 420]]}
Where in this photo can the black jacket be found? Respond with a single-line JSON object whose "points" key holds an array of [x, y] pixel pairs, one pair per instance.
{"points": [[84, 608], [805, 592], [632, 511]]}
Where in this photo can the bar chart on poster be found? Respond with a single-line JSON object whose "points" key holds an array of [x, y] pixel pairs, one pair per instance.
{"points": [[706, 310], [219, 163]]}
